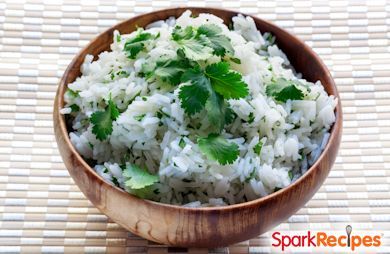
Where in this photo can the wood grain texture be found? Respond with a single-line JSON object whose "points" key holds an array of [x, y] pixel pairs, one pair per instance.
{"points": [[198, 227]]}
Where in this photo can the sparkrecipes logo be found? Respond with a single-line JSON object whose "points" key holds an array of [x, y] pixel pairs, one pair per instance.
{"points": [[326, 240]]}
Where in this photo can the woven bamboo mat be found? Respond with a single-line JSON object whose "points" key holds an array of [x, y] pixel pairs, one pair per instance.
{"points": [[41, 210]]}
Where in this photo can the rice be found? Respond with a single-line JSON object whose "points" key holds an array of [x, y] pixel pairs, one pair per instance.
{"points": [[153, 131]]}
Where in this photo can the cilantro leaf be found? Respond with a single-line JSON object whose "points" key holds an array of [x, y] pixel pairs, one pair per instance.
{"points": [[169, 70], [137, 44], [200, 44], [208, 90], [214, 39], [283, 90], [102, 121], [226, 82], [289, 92], [215, 107], [194, 96], [144, 193], [137, 178], [179, 33], [219, 149], [193, 47], [218, 112]]}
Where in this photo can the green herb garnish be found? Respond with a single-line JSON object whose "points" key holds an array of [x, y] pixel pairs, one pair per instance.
{"points": [[72, 93], [182, 143], [225, 81], [235, 60], [193, 97], [137, 44], [251, 117], [169, 70], [102, 120], [283, 90], [137, 178], [201, 43], [217, 148], [74, 108], [290, 174], [208, 89], [257, 148], [191, 44], [212, 36], [139, 117]]}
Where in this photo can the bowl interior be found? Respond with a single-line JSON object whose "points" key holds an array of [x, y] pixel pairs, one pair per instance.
{"points": [[303, 59]]}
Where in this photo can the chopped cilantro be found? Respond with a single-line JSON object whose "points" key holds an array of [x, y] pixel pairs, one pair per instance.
{"points": [[139, 117], [137, 44], [118, 38], [269, 38], [115, 181], [251, 176], [219, 149], [122, 73], [102, 121], [72, 93], [137, 178], [161, 113], [182, 143], [290, 174], [235, 60], [257, 148], [74, 108], [251, 117], [283, 90]]}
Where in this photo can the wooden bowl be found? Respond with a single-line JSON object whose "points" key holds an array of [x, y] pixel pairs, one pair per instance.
{"points": [[198, 227]]}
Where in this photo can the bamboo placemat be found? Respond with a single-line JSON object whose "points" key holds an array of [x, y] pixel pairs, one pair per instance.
{"points": [[41, 210]]}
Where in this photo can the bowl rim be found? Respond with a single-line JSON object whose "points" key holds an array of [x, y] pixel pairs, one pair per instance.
{"points": [[336, 127]]}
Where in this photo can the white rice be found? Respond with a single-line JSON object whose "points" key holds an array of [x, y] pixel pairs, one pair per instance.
{"points": [[293, 133]]}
